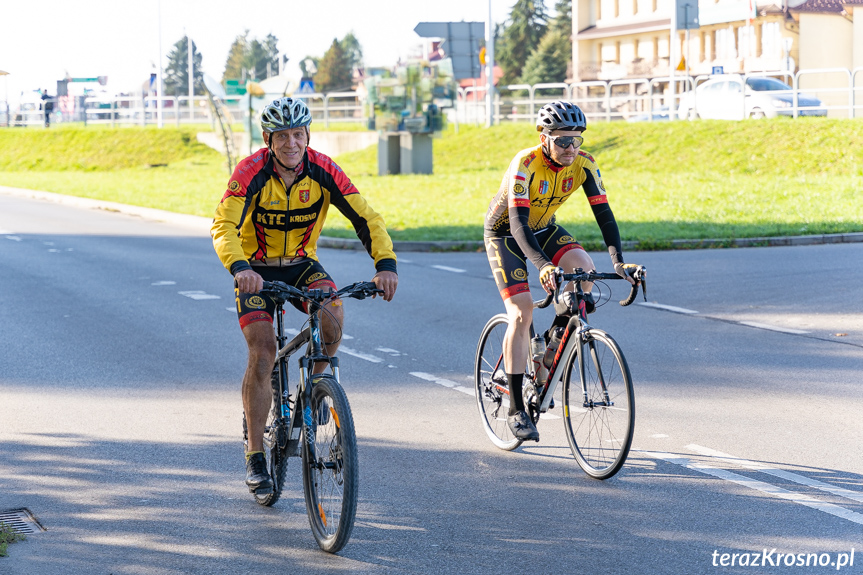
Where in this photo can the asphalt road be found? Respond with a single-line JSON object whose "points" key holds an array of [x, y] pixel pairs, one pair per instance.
{"points": [[120, 421]]}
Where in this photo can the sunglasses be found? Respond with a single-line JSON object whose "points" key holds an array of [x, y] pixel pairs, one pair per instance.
{"points": [[566, 141]]}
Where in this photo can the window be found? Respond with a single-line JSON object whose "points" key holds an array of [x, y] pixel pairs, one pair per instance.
{"points": [[771, 40]]}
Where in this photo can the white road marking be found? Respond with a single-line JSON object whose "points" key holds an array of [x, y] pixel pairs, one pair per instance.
{"points": [[761, 486], [54, 251], [359, 354], [667, 307], [773, 327], [389, 350], [166, 283], [198, 294], [781, 473], [443, 382], [13, 238], [449, 269]]}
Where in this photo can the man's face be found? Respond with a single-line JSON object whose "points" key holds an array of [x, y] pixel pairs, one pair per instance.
{"points": [[289, 145], [563, 156]]}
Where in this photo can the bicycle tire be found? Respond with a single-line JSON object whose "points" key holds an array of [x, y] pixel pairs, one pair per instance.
{"points": [[274, 442], [599, 435], [490, 382], [331, 475]]}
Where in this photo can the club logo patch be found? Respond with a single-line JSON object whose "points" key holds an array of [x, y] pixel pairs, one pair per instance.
{"points": [[316, 277], [234, 186], [567, 185], [304, 196], [518, 190], [543, 187], [519, 274], [565, 240], [256, 302]]}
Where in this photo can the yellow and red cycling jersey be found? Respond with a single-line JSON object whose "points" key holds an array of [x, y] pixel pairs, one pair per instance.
{"points": [[261, 222], [534, 188]]}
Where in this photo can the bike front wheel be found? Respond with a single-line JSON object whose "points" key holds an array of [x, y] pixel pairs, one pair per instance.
{"points": [[491, 388], [599, 416], [330, 465]]}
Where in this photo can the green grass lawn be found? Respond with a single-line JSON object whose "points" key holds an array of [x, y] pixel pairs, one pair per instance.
{"points": [[680, 180]]}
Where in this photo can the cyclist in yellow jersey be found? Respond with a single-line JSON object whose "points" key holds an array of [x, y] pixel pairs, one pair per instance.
{"points": [[520, 225], [266, 228]]}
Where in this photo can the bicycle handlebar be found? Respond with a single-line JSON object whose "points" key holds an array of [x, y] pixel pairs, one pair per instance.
{"points": [[358, 290], [640, 276]]}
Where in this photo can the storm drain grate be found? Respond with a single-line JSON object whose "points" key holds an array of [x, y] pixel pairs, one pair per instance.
{"points": [[22, 521]]}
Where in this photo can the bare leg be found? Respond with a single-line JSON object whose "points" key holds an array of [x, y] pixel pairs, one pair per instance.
{"points": [[257, 390], [332, 323]]}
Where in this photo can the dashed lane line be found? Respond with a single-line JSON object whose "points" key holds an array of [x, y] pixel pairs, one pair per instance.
{"points": [[667, 307], [781, 473], [443, 382], [361, 355], [449, 269], [198, 295], [761, 486]]}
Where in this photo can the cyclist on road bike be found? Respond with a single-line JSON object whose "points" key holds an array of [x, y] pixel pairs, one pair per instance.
{"points": [[266, 227], [520, 225]]}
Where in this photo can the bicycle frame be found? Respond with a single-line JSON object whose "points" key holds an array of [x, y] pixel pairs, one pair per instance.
{"points": [[312, 337]]}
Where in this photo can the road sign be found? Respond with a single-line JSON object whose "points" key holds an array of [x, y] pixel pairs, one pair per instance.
{"points": [[461, 42], [687, 14]]}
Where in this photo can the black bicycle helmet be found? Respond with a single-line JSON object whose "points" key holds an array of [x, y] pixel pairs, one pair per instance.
{"points": [[560, 115], [285, 113]]}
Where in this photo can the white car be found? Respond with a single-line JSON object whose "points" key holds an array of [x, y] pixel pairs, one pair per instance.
{"points": [[724, 98]]}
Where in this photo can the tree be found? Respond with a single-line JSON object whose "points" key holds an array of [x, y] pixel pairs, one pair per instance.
{"points": [[550, 60], [252, 59], [526, 26], [335, 72], [177, 71], [352, 49]]}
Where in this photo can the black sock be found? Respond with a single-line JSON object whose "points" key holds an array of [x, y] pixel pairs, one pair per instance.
{"points": [[516, 401]]}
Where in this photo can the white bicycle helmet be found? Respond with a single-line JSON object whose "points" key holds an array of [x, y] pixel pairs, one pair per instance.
{"points": [[560, 115], [285, 113]]}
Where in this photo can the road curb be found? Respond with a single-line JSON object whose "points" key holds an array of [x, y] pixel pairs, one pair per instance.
{"points": [[203, 224]]}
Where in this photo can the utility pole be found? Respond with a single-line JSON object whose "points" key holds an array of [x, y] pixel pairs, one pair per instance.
{"points": [[489, 75], [191, 79]]}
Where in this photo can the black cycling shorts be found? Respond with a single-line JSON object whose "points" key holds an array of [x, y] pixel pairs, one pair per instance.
{"points": [[509, 266], [252, 307]]}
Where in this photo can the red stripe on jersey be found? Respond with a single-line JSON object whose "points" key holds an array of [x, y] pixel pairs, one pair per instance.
{"points": [[519, 203], [584, 154], [261, 236], [603, 199], [510, 291], [346, 187]]}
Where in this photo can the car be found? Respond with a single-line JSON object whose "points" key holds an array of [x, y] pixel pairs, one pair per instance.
{"points": [[660, 113], [725, 98]]}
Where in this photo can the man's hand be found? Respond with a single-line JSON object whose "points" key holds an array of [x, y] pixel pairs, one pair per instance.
{"points": [[249, 281], [547, 278], [387, 281], [626, 270]]}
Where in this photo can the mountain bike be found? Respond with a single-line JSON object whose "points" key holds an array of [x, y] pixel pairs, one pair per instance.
{"points": [[598, 399], [318, 425]]}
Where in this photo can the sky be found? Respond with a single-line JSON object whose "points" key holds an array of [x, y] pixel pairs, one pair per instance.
{"points": [[43, 42]]}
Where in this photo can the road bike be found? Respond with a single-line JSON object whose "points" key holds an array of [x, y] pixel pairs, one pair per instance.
{"points": [[597, 395], [318, 425]]}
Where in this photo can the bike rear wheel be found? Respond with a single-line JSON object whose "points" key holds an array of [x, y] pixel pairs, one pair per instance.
{"points": [[330, 465], [492, 391], [599, 427], [275, 438]]}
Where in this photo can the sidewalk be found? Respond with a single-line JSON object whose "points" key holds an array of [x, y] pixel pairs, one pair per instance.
{"points": [[203, 224]]}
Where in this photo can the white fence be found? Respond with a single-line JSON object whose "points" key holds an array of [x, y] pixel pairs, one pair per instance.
{"points": [[840, 89], [327, 109]]}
